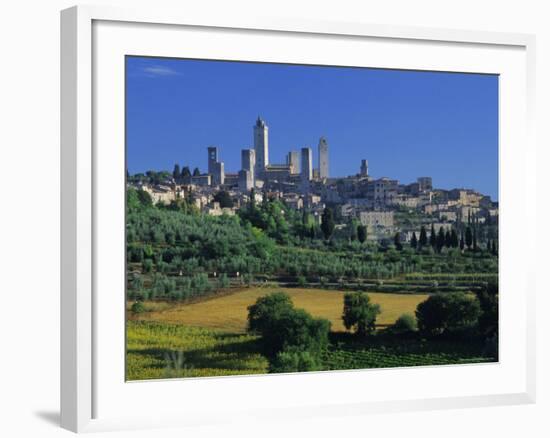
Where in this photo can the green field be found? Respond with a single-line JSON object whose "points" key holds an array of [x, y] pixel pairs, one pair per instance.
{"points": [[157, 350]]}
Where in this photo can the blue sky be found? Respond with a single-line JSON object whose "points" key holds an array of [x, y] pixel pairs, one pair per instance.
{"points": [[406, 123]]}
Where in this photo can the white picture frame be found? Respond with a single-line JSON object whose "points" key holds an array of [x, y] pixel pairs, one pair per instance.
{"points": [[85, 386]]}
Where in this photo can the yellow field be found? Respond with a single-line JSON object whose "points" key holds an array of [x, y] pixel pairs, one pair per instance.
{"points": [[228, 313]]}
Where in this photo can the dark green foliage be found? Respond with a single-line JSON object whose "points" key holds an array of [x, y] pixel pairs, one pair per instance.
{"points": [[362, 233], [267, 310], [137, 200], [137, 308], [224, 199], [196, 172], [414, 241], [406, 323], [469, 237], [270, 217], [440, 242], [294, 360], [185, 172], [449, 312], [327, 222], [359, 313], [282, 326], [176, 173], [397, 242], [454, 239], [488, 300], [433, 238], [448, 239], [423, 241]]}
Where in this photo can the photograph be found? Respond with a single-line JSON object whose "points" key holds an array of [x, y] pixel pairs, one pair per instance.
{"points": [[285, 218]]}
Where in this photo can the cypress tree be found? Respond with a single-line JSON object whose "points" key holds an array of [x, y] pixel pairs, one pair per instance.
{"points": [[196, 172], [440, 242], [469, 237], [176, 172], [461, 243], [362, 233], [397, 242], [448, 239], [474, 240], [433, 239], [414, 241], [185, 172], [423, 237], [454, 238], [327, 222]]}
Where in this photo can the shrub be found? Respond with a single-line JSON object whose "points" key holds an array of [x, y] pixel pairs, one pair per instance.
{"points": [[406, 323], [293, 360], [359, 313], [137, 307]]}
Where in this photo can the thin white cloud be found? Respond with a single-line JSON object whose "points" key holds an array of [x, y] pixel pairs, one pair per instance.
{"points": [[158, 70]]}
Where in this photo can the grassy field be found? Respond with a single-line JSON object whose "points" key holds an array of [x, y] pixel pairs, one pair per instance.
{"points": [[161, 350], [228, 313]]}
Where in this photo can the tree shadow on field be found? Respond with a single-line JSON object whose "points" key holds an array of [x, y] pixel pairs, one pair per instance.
{"points": [[224, 356]]}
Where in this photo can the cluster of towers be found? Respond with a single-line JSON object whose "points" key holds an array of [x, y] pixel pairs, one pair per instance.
{"points": [[255, 163]]}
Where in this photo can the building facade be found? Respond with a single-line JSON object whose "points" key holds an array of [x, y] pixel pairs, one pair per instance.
{"points": [[293, 160]]}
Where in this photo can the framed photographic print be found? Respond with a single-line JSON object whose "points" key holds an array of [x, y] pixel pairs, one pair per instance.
{"points": [[255, 208]]}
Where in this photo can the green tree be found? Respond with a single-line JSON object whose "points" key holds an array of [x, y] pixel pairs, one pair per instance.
{"points": [[397, 242], [440, 242], [469, 237], [461, 243], [454, 239], [196, 172], [423, 241], [176, 173], [448, 239], [282, 326], [362, 233], [359, 313], [414, 241], [447, 312], [224, 199], [433, 238], [327, 222], [488, 300]]}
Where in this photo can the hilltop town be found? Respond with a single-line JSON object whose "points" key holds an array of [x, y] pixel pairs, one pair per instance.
{"points": [[385, 206]]}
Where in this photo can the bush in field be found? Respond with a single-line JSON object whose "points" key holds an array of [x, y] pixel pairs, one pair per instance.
{"points": [[406, 323], [137, 307], [448, 312], [359, 313], [294, 360], [282, 326]]}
